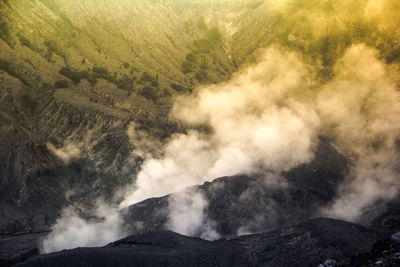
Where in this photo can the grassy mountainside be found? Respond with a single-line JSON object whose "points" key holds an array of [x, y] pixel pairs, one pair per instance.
{"points": [[77, 74]]}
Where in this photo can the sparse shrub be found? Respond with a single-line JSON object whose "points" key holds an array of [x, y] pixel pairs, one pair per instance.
{"points": [[166, 93], [61, 84], [177, 87], [149, 93], [204, 45], [50, 45], [187, 67], [74, 76], [125, 83], [29, 103], [190, 57], [213, 35], [201, 75], [126, 65], [83, 74], [155, 83], [5, 34], [92, 80], [53, 48], [6, 66], [204, 63], [25, 42], [146, 77], [100, 70], [201, 24]]}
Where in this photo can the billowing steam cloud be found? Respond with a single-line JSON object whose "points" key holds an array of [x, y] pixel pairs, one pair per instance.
{"points": [[360, 107], [268, 117], [256, 124]]}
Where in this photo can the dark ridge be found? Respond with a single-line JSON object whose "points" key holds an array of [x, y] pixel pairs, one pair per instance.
{"points": [[306, 244]]}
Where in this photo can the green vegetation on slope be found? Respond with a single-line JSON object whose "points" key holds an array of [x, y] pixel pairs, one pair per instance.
{"points": [[7, 67], [61, 84], [196, 61], [5, 33]]}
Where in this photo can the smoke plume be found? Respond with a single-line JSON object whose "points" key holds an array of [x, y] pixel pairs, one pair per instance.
{"points": [[268, 118], [256, 124], [73, 230], [269, 115], [360, 108], [187, 215]]}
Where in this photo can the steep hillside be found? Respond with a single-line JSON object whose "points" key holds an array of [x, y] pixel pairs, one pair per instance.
{"points": [[77, 74], [320, 30], [295, 102], [89, 69]]}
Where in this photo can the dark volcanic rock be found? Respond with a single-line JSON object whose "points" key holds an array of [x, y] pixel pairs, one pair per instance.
{"points": [[387, 217], [306, 244], [243, 204], [30, 176], [18, 248], [310, 243], [385, 252], [34, 181]]}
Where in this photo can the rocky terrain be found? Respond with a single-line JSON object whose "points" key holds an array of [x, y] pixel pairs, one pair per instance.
{"points": [[77, 78], [91, 104], [280, 216], [306, 244], [254, 204]]}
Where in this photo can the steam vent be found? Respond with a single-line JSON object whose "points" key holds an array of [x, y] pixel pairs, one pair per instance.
{"points": [[200, 133]]}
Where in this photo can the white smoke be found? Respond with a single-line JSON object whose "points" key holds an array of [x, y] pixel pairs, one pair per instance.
{"points": [[66, 153], [268, 118], [187, 215], [258, 219], [360, 108], [269, 215], [71, 230], [256, 122], [145, 146]]}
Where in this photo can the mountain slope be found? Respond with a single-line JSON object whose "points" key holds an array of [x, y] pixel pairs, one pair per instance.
{"points": [[79, 78], [119, 63]]}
